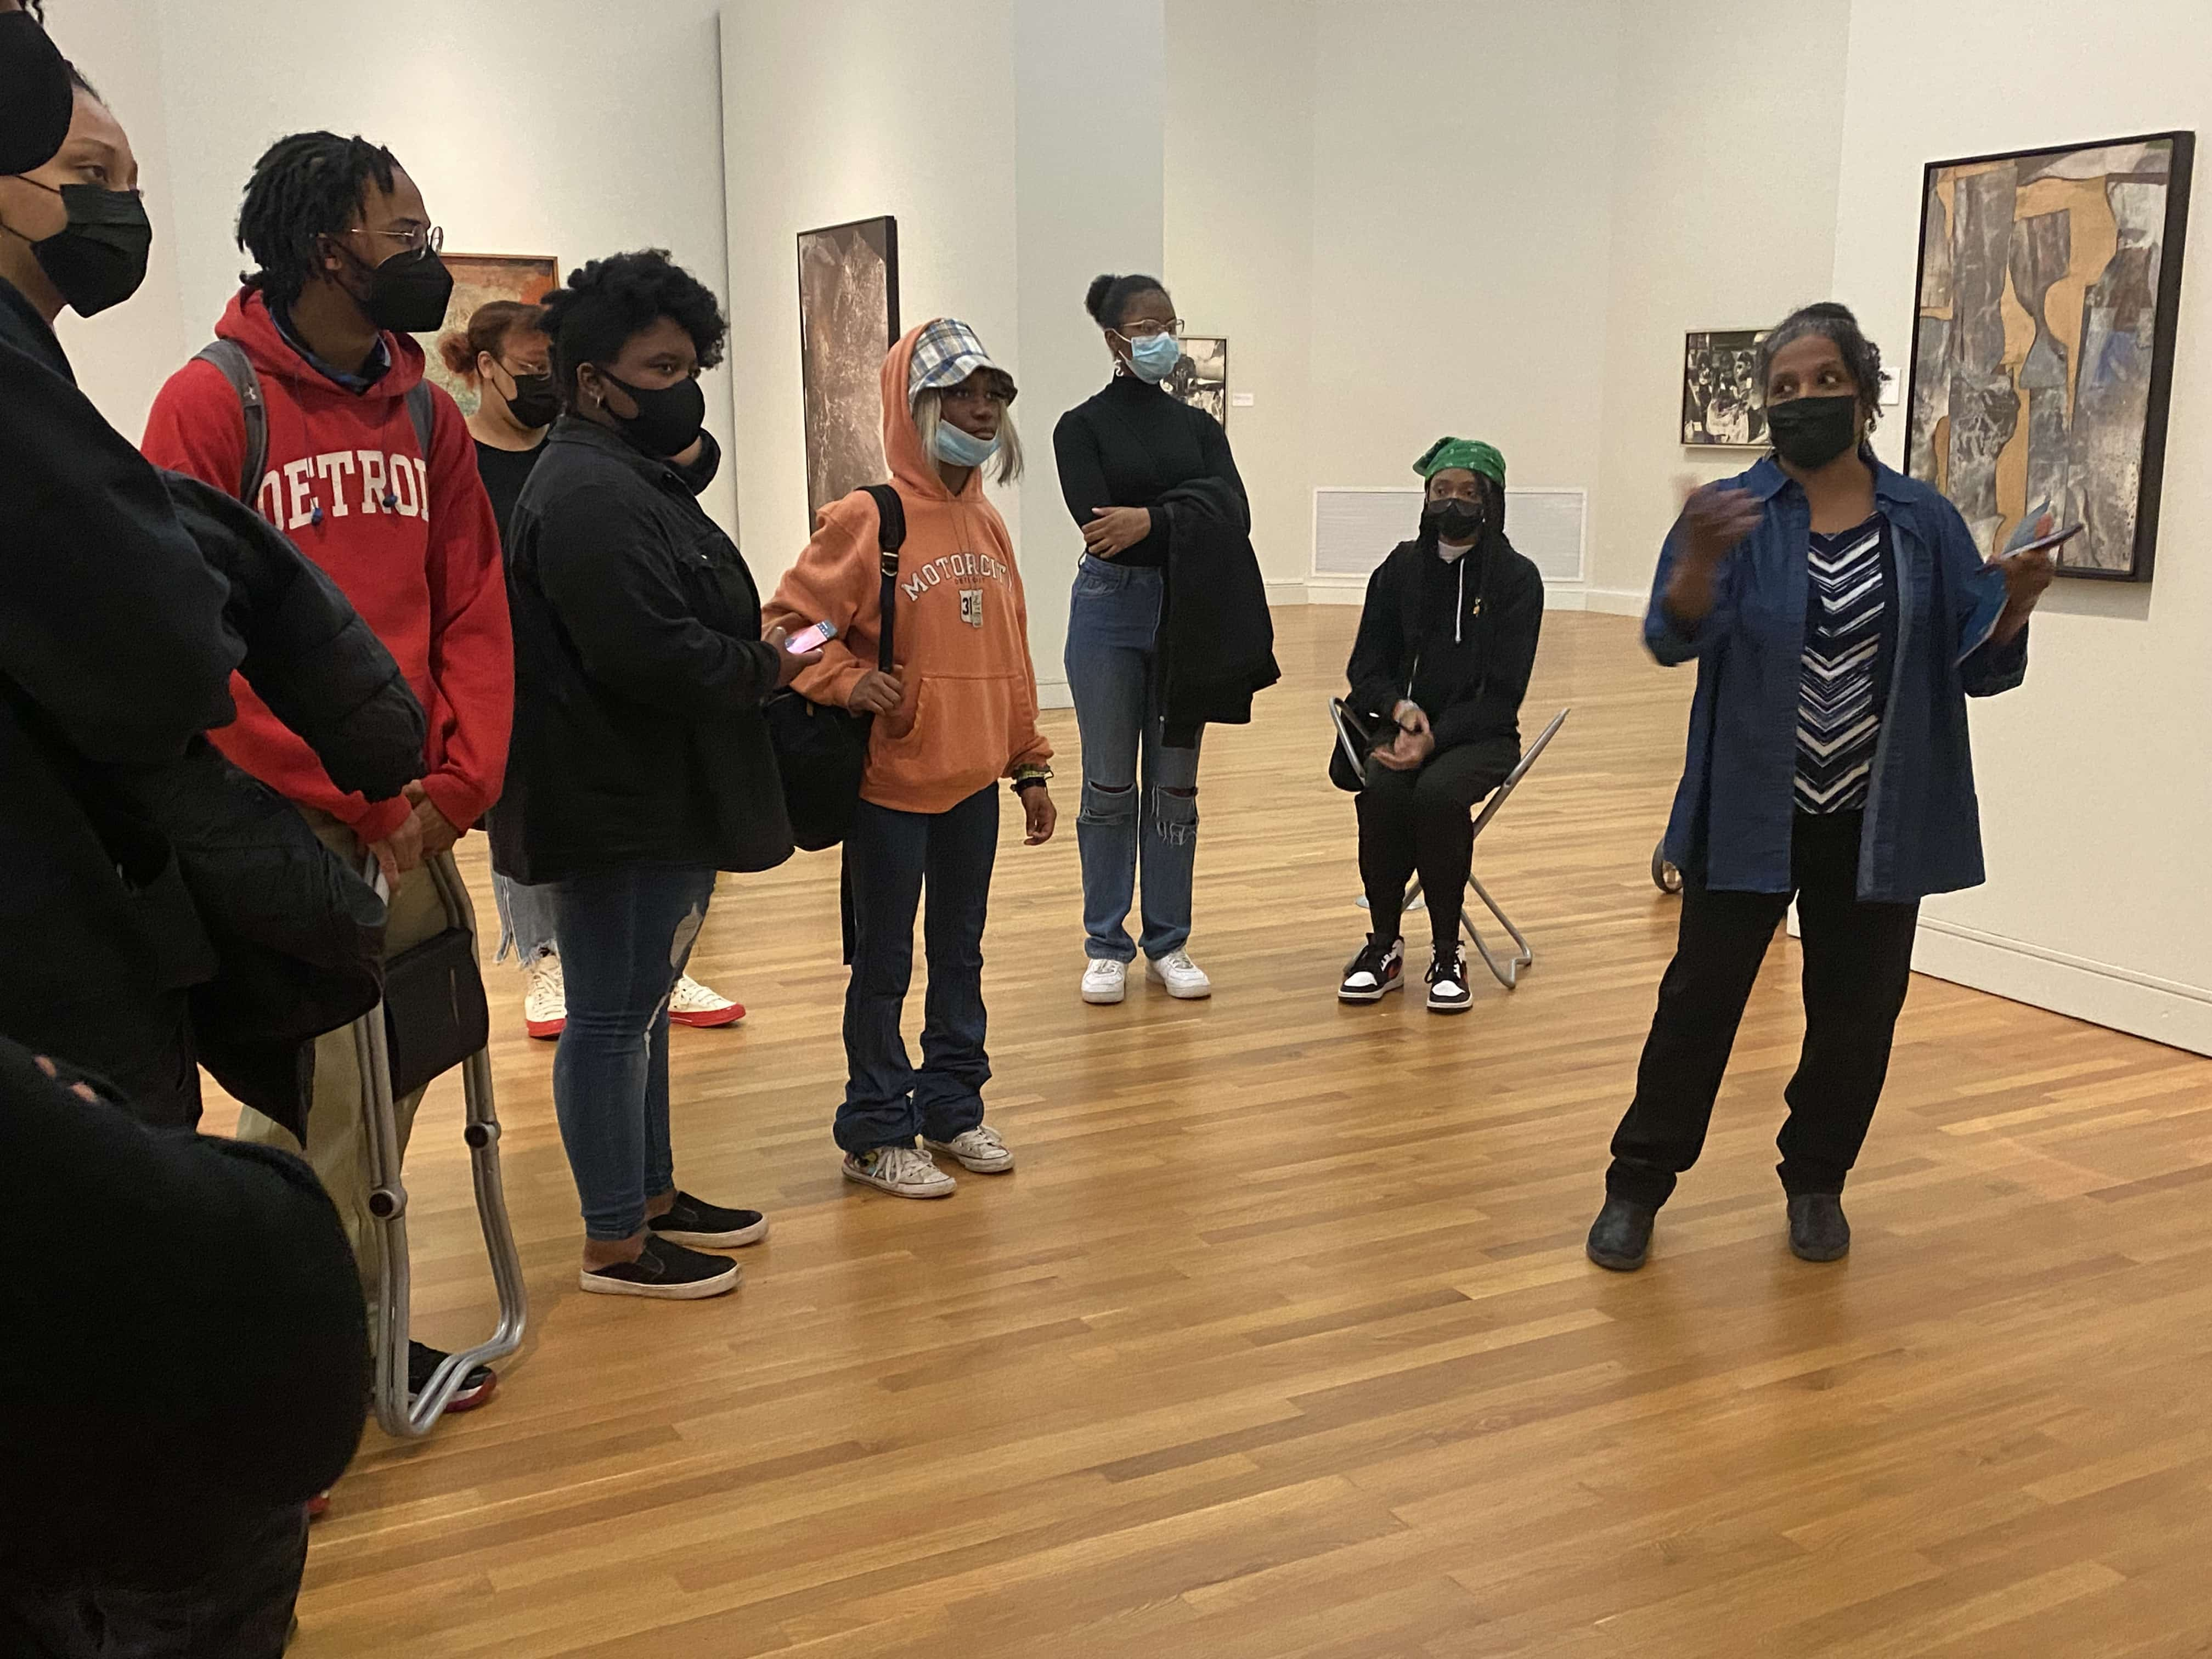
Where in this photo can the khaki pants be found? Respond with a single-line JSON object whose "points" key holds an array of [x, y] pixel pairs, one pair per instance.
{"points": [[337, 1129]]}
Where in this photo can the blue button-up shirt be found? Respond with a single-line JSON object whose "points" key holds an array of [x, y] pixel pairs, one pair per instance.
{"points": [[1734, 811]]}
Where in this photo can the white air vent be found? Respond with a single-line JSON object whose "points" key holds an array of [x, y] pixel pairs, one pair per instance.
{"points": [[1355, 529]]}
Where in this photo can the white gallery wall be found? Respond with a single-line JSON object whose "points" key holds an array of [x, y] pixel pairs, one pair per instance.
{"points": [[1014, 180], [2096, 793], [568, 127]]}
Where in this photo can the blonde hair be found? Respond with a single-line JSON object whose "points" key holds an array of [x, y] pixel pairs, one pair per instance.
{"points": [[929, 411]]}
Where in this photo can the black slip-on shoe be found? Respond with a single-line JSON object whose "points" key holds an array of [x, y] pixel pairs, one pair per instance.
{"points": [[422, 1363], [1818, 1229], [665, 1273], [703, 1227], [1620, 1238]]}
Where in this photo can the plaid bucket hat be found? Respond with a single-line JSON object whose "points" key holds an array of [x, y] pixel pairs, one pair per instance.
{"points": [[947, 353]]}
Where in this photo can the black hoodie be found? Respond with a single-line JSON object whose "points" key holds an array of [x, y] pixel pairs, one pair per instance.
{"points": [[1459, 639]]}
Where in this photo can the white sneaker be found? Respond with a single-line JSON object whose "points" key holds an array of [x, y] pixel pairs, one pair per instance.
{"points": [[1105, 982], [980, 1149], [901, 1171], [693, 1004], [545, 1004], [1184, 978]]}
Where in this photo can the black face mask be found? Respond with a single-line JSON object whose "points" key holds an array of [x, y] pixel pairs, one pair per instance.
{"points": [[99, 259], [1457, 522], [408, 293], [35, 95], [534, 401], [668, 420], [1810, 432]]}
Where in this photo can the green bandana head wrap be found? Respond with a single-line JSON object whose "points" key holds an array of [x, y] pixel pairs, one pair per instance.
{"points": [[1467, 454]]}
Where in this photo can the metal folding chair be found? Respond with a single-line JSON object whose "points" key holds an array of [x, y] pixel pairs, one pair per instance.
{"points": [[1507, 970], [388, 1205]]}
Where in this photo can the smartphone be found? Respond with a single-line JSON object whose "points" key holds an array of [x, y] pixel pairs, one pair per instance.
{"points": [[811, 639], [2046, 543]]}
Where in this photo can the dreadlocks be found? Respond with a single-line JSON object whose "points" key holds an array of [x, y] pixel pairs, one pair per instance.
{"points": [[305, 188]]}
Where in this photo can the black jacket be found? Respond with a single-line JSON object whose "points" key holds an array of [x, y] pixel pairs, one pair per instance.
{"points": [[1459, 640], [1217, 637], [199, 1355], [161, 906], [639, 674]]}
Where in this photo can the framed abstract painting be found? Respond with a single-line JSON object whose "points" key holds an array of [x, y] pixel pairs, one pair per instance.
{"points": [[2043, 341], [479, 278], [849, 318]]}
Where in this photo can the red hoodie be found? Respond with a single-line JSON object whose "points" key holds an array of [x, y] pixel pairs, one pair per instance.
{"points": [[411, 539]]}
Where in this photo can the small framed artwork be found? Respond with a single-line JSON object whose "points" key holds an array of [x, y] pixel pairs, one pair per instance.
{"points": [[849, 318], [1201, 379], [2043, 341], [478, 279], [1720, 390]]}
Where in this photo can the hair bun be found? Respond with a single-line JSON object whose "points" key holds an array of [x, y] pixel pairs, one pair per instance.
{"points": [[1095, 301], [457, 354]]}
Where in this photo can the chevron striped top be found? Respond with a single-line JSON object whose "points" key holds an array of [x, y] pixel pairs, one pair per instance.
{"points": [[1839, 698]]}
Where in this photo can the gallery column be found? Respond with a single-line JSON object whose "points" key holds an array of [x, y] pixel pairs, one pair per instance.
{"points": [[1090, 107]]}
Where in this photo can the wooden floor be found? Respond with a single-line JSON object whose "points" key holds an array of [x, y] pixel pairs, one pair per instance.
{"points": [[1280, 1341]]}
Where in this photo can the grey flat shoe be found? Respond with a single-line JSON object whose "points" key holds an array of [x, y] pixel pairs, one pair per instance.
{"points": [[1620, 1238], [1818, 1230]]}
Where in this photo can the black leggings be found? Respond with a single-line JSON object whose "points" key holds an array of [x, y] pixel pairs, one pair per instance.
{"points": [[1423, 821], [1858, 962]]}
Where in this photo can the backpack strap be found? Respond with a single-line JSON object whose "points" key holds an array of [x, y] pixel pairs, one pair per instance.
{"points": [[229, 357], [891, 537], [422, 413]]}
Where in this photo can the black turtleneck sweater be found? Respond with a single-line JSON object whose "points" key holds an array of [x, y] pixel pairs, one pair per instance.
{"points": [[1127, 447]]}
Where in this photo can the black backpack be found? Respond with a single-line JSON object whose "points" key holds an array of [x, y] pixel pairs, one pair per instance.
{"points": [[237, 368], [821, 751]]}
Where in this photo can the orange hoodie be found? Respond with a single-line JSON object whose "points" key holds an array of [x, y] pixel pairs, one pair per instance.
{"points": [[969, 715]]}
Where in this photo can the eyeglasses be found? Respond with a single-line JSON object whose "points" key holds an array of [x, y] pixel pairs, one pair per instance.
{"points": [[1152, 331], [414, 240]]}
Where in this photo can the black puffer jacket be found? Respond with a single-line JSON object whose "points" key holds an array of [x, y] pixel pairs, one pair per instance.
{"points": [[161, 907]]}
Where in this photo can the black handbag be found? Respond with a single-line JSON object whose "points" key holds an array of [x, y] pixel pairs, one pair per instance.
{"points": [[435, 1013], [821, 752]]}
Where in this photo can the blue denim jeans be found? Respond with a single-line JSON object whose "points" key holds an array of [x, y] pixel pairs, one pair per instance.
{"points": [[1112, 619], [526, 919], [625, 936], [889, 857]]}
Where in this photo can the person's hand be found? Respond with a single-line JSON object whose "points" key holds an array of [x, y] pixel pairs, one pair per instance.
{"points": [[1114, 530], [877, 693], [1409, 750], [2027, 577], [1040, 817], [82, 1091], [439, 833], [400, 852], [1718, 517], [789, 665]]}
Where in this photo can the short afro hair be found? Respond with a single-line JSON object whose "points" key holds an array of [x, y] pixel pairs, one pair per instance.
{"points": [[610, 301], [1834, 323], [304, 188]]}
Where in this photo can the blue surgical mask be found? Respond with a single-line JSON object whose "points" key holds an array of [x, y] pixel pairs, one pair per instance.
{"points": [[958, 448], [1154, 357]]}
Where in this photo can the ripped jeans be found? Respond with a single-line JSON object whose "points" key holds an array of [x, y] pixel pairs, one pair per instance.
{"points": [[1140, 797], [625, 935]]}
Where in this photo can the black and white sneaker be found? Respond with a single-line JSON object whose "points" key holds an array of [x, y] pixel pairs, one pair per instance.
{"points": [[1448, 989], [665, 1272], [422, 1363], [1377, 971], [706, 1226]]}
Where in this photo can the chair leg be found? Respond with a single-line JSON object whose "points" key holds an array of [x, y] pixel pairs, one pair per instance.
{"points": [[1508, 971]]}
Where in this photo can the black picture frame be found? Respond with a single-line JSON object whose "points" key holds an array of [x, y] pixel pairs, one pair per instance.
{"points": [[849, 318], [2164, 335], [1711, 350]]}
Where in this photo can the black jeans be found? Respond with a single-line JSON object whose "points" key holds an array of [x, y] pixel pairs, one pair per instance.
{"points": [[889, 858], [226, 1594], [1423, 821], [1858, 963]]}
